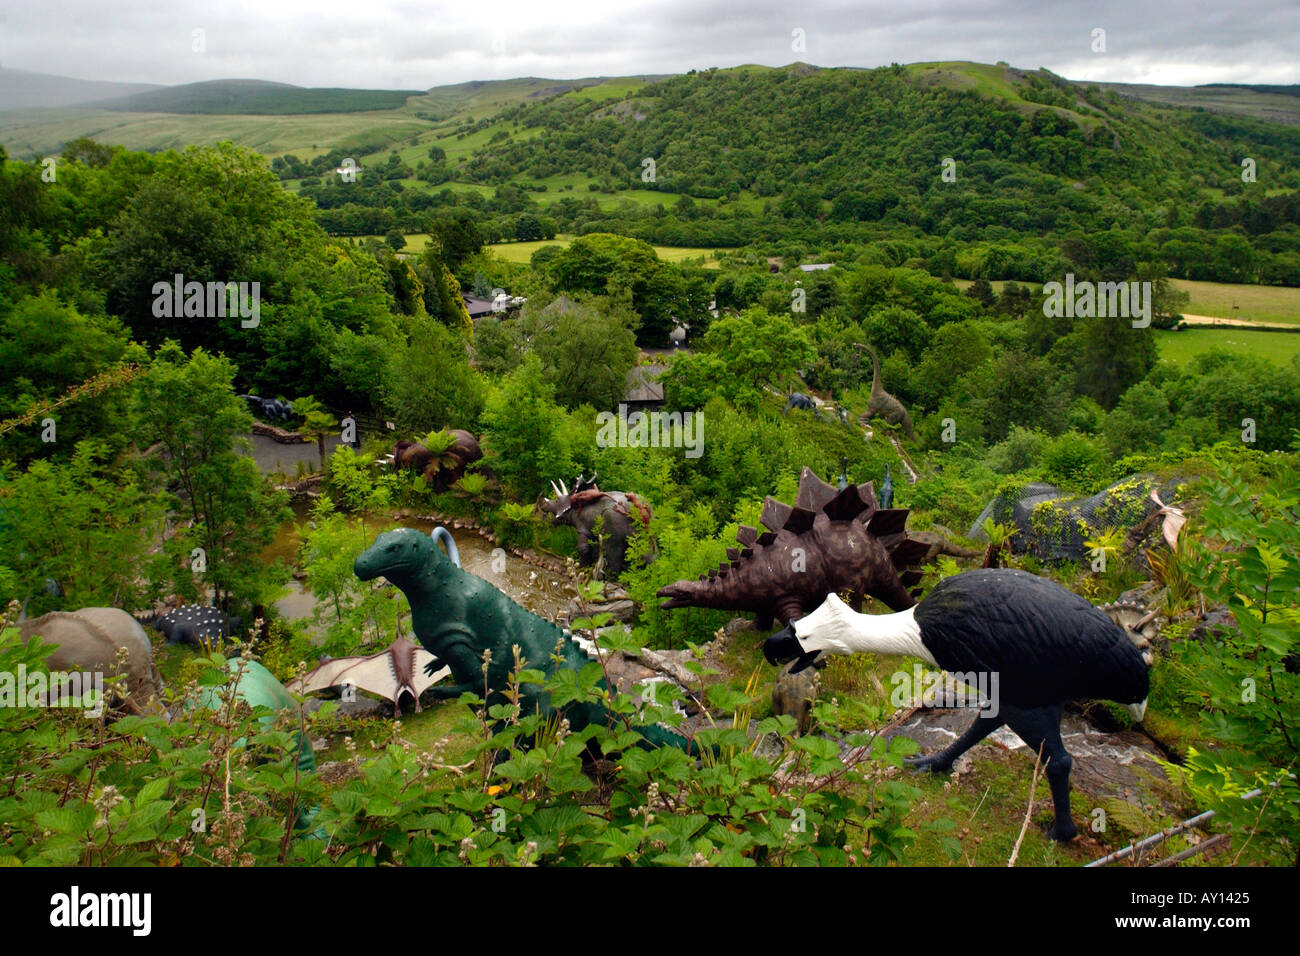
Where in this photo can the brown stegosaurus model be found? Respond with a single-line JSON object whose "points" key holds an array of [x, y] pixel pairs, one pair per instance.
{"points": [[829, 541]]}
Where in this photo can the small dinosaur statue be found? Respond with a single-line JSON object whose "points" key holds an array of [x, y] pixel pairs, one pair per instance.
{"points": [[882, 404], [457, 616], [887, 490]]}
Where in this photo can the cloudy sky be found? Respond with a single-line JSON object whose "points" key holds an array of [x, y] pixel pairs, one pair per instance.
{"points": [[408, 44]]}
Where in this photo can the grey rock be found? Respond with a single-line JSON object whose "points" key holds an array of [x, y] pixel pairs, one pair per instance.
{"points": [[361, 707]]}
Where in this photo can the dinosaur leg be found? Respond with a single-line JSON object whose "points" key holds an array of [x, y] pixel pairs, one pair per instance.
{"points": [[1040, 729], [942, 761]]}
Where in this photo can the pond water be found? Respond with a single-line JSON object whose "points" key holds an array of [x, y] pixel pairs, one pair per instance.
{"points": [[534, 588]]}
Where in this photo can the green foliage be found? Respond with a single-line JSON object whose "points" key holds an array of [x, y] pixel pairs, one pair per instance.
{"points": [[351, 612], [739, 354], [525, 431], [350, 480], [88, 529], [1246, 558], [317, 422], [428, 383], [1074, 462], [189, 407], [218, 785], [47, 347], [586, 347]]}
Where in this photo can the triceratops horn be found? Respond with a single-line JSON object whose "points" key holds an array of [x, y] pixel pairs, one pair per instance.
{"points": [[555, 489], [564, 489]]}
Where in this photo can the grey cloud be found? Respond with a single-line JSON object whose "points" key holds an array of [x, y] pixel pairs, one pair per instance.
{"points": [[401, 43]]}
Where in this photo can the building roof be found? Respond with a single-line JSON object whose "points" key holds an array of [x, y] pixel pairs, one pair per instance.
{"points": [[816, 266], [476, 306], [643, 384]]}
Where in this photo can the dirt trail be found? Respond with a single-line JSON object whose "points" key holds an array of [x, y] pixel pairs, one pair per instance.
{"points": [[1237, 323]]}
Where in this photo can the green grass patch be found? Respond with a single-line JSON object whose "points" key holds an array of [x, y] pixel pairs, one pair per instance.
{"points": [[1180, 347], [1256, 303], [523, 251]]}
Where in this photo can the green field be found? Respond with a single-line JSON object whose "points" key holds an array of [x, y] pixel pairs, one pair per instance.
{"points": [[35, 133], [1257, 303], [1280, 348], [1270, 304], [615, 88], [523, 251]]}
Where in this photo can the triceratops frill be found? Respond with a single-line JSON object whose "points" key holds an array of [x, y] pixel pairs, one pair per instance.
{"points": [[829, 541]]}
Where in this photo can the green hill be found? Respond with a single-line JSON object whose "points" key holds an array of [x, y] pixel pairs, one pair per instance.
{"points": [[255, 97]]}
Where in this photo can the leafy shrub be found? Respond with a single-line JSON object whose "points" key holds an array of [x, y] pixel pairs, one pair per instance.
{"points": [[220, 785]]}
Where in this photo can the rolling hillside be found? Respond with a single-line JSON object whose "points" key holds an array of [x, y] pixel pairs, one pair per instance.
{"points": [[254, 97]]}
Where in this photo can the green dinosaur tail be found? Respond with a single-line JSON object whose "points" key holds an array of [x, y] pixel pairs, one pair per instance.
{"points": [[657, 736]]}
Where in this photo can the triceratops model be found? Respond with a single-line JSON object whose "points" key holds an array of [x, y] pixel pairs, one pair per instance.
{"points": [[457, 616], [623, 514], [830, 541]]}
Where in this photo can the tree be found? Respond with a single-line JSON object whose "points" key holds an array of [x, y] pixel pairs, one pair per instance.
{"points": [[208, 214], [46, 348], [894, 328], [982, 292], [586, 349], [457, 237], [1014, 301], [317, 421], [602, 263], [441, 291], [189, 406], [528, 228], [1106, 355], [396, 240], [428, 383], [739, 354], [87, 152], [525, 431]]}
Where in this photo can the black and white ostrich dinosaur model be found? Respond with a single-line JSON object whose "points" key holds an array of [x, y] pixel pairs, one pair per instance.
{"points": [[1044, 644]]}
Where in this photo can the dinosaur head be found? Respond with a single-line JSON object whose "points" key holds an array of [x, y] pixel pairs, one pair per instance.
{"points": [[398, 555], [558, 506], [561, 505]]}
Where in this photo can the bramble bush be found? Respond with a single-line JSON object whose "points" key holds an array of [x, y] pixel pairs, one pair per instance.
{"points": [[1243, 679], [214, 786]]}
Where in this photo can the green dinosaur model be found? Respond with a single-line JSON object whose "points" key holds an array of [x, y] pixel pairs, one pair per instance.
{"points": [[457, 616]]}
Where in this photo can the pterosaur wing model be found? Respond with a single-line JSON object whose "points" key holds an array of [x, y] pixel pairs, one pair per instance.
{"points": [[400, 668]]}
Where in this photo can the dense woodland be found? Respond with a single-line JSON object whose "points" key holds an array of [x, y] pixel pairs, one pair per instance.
{"points": [[803, 161], [145, 465]]}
